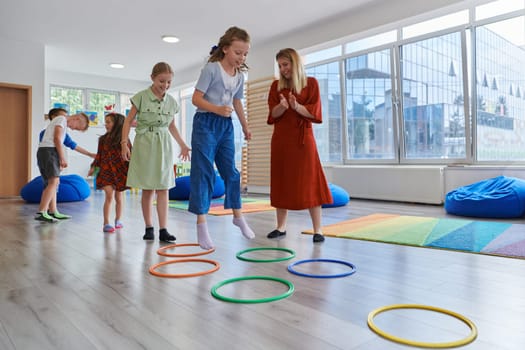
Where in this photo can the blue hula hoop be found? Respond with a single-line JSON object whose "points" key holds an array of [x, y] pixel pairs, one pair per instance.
{"points": [[348, 273]]}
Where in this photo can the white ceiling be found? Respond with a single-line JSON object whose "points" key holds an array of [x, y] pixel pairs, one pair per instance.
{"points": [[85, 36]]}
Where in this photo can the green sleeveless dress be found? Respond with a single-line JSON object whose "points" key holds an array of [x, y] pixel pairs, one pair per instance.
{"points": [[152, 158]]}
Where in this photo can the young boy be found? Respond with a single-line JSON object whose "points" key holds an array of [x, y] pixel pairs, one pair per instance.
{"points": [[68, 141], [71, 144], [51, 159]]}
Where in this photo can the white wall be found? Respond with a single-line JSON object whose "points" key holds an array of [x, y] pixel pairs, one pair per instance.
{"points": [[23, 63], [95, 82], [403, 183], [411, 183], [457, 176]]}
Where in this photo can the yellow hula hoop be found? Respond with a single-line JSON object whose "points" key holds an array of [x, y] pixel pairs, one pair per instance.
{"points": [[469, 339]]}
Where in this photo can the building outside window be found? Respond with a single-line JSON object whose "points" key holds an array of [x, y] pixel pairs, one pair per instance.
{"points": [[369, 110], [328, 78], [500, 84], [433, 102]]}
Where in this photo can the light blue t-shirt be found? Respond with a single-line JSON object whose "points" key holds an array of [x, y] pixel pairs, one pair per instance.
{"points": [[218, 87]]}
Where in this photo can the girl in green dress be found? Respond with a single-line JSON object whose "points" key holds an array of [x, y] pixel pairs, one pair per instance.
{"points": [[151, 163]]}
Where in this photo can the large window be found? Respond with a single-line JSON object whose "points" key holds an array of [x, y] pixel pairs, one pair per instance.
{"points": [[447, 90], [94, 102]]}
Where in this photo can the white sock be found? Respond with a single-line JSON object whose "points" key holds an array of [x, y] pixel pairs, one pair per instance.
{"points": [[203, 236], [243, 225]]}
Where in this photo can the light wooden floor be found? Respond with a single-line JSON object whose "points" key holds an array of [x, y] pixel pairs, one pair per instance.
{"points": [[70, 286]]}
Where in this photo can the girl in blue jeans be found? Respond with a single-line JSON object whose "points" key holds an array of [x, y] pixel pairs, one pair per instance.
{"points": [[218, 93]]}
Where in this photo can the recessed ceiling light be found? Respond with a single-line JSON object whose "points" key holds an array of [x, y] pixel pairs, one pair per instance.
{"points": [[116, 65], [170, 39]]}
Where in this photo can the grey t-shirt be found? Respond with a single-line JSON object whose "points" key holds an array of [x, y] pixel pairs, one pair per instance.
{"points": [[219, 87]]}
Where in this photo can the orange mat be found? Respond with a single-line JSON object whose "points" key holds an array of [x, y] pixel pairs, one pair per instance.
{"points": [[249, 205]]}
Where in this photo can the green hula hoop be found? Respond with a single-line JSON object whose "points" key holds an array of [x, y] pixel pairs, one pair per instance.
{"points": [[242, 252], [467, 340], [252, 301]]}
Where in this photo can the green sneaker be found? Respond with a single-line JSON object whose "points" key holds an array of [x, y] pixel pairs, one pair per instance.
{"points": [[45, 217], [59, 216]]}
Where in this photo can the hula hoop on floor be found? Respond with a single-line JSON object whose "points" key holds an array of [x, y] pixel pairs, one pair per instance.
{"points": [[154, 272], [252, 301], [467, 340], [343, 274], [240, 254], [162, 250]]}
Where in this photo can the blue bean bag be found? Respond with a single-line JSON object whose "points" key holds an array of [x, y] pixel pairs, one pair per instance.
{"points": [[181, 191], [339, 195], [72, 188], [498, 197]]}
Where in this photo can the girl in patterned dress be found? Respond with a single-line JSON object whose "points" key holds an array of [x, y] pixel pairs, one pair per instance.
{"points": [[113, 172]]}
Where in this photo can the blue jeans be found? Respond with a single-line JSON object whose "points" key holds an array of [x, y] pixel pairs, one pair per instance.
{"points": [[212, 141]]}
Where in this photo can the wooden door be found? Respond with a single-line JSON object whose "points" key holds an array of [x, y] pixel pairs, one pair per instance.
{"points": [[15, 138]]}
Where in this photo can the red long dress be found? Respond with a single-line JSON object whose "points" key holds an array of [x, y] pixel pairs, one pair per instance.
{"points": [[297, 178]]}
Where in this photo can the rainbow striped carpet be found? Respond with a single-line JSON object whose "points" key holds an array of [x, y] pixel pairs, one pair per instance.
{"points": [[249, 205], [485, 237]]}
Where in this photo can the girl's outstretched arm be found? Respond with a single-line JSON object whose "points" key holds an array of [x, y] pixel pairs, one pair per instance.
{"points": [[184, 149]]}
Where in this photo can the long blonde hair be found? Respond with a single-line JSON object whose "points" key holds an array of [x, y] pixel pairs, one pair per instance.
{"points": [[232, 34], [297, 81]]}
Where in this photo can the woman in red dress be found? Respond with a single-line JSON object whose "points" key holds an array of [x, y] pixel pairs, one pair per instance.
{"points": [[297, 178], [113, 170]]}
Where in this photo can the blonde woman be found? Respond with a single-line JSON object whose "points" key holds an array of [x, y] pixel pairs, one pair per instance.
{"points": [[297, 178]]}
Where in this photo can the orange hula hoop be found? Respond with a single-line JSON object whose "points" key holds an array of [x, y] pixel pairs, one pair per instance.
{"points": [[154, 272], [162, 250]]}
